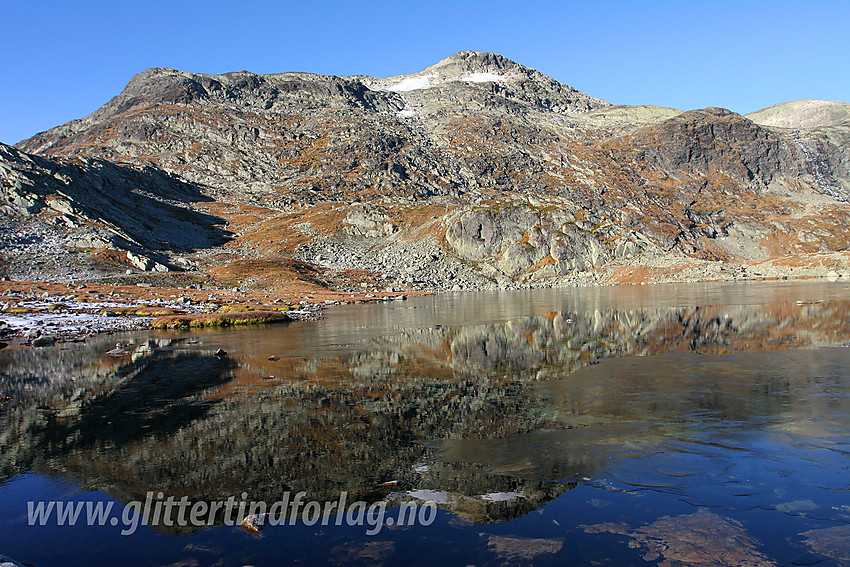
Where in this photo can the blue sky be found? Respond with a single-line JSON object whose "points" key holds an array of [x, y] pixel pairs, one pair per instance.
{"points": [[62, 60]]}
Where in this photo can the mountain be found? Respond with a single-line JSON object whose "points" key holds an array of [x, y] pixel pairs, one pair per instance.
{"points": [[475, 172]]}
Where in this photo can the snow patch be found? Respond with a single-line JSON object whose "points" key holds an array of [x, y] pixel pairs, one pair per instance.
{"points": [[484, 78], [411, 84], [406, 113], [424, 81]]}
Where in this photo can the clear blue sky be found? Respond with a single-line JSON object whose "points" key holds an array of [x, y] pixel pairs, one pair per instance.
{"points": [[62, 60]]}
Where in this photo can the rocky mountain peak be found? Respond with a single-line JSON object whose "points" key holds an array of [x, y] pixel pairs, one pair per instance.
{"points": [[462, 67], [466, 63], [468, 71]]}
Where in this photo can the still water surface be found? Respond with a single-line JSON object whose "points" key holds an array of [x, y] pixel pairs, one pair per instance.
{"points": [[654, 425]]}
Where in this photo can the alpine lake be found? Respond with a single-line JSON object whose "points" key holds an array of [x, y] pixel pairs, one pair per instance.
{"points": [[673, 425]]}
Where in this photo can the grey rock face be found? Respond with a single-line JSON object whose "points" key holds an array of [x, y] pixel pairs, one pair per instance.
{"points": [[95, 204], [519, 238], [717, 138], [369, 224], [145, 264]]}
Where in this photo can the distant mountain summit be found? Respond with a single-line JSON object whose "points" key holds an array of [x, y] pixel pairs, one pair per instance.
{"points": [[474, 172], [803, 114], [497, 73], [467, 66]]}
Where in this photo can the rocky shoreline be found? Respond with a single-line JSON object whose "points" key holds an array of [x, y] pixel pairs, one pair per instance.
{"points": [[45, 313]]}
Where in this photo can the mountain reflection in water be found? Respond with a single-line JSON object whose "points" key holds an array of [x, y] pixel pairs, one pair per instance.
{"points": [[495, 405]]}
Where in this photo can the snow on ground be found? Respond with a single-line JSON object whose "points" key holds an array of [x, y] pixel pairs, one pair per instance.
{"points": [[72, 322], [484, 78], [411, 84], [424, 81], [406, 113]]}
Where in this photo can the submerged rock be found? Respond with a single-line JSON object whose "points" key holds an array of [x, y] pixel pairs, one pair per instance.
{"points": [[702, 538], [520, 549], [254, 523], [831, 542]]}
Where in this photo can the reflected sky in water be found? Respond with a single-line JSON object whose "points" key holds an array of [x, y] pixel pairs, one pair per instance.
{"points": [[605, 425]]}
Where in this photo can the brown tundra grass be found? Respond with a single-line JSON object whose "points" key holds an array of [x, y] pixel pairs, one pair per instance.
{"points": [[219, 319]]}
